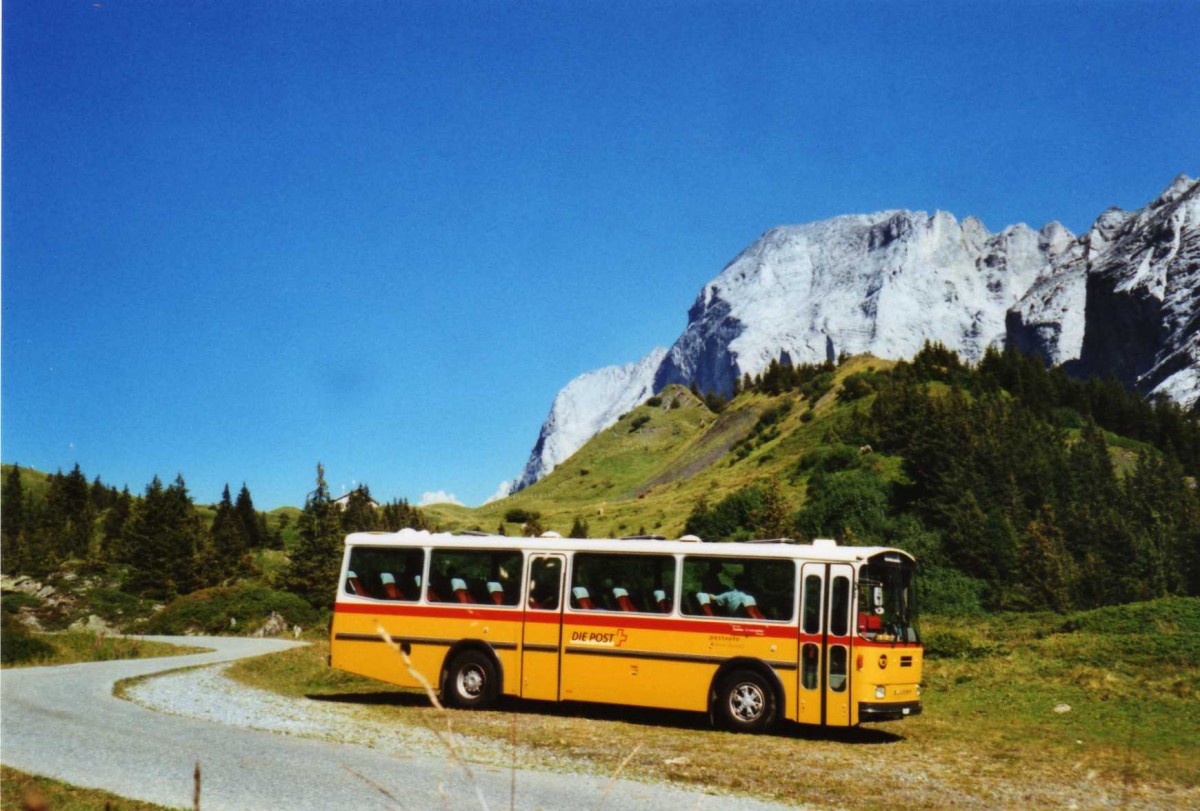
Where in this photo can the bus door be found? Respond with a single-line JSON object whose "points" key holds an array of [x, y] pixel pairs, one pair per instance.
{"points": [[541, 639], [812, 643], [838, 598], [825, 644]]}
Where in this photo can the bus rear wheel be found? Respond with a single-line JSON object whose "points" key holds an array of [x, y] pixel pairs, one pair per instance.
{"points": [[471, 681], [745, 702]]}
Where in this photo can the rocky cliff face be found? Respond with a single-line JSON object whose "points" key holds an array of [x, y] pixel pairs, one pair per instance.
{"points": [[1123, 298], [585, 407]]}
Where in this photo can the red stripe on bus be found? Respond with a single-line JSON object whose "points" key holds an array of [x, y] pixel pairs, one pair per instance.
{"points": [[639, 621]]}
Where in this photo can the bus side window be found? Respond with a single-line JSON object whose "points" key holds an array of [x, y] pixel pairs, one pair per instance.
{"points": [[625, 582], [469, 576], [745, 588], [381, 573]]}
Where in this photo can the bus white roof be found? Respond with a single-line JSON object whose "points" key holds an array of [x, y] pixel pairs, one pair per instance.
{"points": [[821, 549]]}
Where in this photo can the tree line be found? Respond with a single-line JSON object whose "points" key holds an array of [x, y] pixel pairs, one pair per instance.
{"points": [[1008, 495], [167, 546], [164, 540]]}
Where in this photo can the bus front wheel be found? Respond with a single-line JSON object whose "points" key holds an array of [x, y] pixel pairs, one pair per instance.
{"points": [[745, 702], [471, 681]]}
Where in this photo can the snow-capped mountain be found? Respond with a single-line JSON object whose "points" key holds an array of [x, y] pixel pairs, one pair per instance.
{"points": [[882, 283], [1122, 298]]}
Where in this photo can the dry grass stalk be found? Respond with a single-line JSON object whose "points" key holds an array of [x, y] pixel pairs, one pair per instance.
{"points": [[512, 744], [373, 785], [612, 781], [196, 788], [448, 738]]}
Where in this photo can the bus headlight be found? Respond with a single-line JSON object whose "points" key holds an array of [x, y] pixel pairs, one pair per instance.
{"points": [[881, 692]]}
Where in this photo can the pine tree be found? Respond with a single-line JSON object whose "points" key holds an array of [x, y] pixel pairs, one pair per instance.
{"points": [[359, 514], [113, 526], [579, 529], [222, 555], [317, 558], [162, 538], [12, 522], [248, 520]]}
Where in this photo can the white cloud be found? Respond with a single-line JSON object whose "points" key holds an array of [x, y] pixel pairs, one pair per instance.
{"points": [[503, 491], [438, 497]]}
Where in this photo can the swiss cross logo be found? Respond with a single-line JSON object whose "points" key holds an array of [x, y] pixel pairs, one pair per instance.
{"points": [[621, 637]]}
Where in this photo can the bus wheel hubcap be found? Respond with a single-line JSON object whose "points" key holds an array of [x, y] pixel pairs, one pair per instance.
{"points": [[746, 702], [470, 681]]}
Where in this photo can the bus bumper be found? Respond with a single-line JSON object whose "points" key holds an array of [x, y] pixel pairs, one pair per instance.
{"points": [[868, 712]]}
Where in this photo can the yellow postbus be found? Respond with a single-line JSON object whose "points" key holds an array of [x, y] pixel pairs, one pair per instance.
{"points": [[750, 633]]}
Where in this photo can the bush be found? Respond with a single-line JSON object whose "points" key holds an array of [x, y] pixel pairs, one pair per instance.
{"points": [[112, 604], [942, 590], [19, 645], [638, 422], [516, 515], [654, 402], [210, 610], [956, 645], [14, 602]]}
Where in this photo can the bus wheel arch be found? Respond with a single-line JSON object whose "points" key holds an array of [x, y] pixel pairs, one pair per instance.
{"points": [[472, 676], [746, 695]]}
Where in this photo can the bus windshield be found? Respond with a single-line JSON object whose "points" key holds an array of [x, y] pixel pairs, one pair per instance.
{"points": [[887, 608]]}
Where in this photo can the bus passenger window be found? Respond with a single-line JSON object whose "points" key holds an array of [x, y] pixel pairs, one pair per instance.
{"points": [[627, 582], [469, 576], [747, 588], [379, 573]]}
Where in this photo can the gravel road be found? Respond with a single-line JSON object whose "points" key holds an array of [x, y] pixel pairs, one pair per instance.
{"points": [[65, 723]]}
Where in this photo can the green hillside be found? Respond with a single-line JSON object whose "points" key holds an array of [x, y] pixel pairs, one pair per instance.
{"points": [[1017, 487], [648, 478]]}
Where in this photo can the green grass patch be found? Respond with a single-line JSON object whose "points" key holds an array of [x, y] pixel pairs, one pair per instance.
{"points": [[21, 790], [21, 648]]}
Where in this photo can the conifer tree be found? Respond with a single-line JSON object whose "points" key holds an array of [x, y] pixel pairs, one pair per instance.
{"points": [[249, 524], [579, 529], [359, 514], [12, 522], [161, 539], [226, 538], [317, 557]]}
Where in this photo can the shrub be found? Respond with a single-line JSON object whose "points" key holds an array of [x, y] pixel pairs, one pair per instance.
{"points": [[816, 388], [654, 402], [112, 604], [14, 602], [19, 645], [517, 515], [956, 645], [807, 416], [638, 422], [210, 610], [943, 590]]}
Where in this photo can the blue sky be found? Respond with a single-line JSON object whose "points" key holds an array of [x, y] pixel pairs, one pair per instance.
{"points": [[239, 238]]}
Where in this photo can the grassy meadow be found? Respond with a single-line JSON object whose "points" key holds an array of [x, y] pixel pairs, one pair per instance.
{"points": [[996, 729]]}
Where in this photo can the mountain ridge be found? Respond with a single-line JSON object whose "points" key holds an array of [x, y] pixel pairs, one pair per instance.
{"points": [[1121, 298]]}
